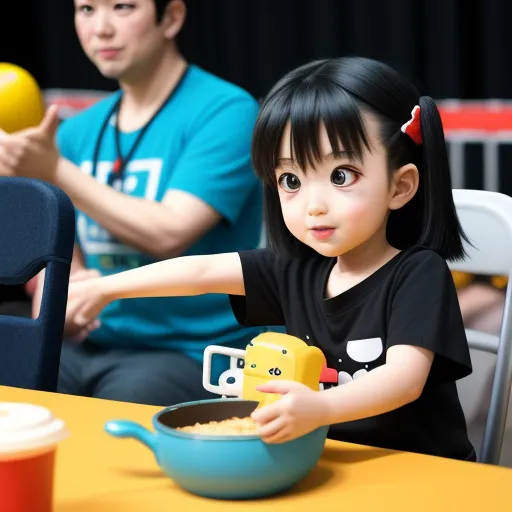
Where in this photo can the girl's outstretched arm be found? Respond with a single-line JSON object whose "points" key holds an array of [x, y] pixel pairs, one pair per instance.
{"points": [[183, 276]]}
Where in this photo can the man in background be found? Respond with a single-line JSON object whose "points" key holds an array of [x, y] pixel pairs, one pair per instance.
{"points": [[159, 169]]}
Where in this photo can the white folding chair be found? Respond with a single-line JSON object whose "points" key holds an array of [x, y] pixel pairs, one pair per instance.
{"points": [[486, 217]]}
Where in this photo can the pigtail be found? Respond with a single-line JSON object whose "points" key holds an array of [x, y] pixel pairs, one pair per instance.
{"points": [[442, 231]]}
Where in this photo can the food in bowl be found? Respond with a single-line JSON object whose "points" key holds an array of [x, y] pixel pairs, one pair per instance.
{"points": [[229, 427]]}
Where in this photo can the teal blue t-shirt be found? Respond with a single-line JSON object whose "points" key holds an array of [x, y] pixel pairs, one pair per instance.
{"points": [[200, 144]]}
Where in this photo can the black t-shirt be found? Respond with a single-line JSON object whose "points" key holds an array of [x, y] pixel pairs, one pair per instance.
{"points": [[410, 300]]}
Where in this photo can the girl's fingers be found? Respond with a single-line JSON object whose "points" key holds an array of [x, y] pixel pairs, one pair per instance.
{"points": [[271, 429]]}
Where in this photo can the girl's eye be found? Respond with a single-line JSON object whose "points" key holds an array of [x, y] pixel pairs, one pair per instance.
{"points": [[343, 177], [289, 182]]}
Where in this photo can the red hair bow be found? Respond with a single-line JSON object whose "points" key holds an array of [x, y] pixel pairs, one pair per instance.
{"points": [[413, 127]]}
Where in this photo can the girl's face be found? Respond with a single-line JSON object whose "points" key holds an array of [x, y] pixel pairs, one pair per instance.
{"points": [[344, 201], [121, 38]]}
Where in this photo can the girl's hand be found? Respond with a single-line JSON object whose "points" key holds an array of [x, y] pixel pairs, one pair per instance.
{"points": [[85, 301], [299, 411], [74, 332]]}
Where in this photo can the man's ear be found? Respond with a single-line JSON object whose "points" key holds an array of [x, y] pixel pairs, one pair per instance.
{"points": [[404, 185], [174, 18]]}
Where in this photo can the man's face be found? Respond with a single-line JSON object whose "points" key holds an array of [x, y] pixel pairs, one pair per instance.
{"points": [[122, 39]]}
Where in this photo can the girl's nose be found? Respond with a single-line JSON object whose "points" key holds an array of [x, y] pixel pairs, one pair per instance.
{"points": [[317, 206]]}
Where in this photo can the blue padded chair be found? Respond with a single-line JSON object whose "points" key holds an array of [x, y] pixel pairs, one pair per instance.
{"points": [[37, 230]]}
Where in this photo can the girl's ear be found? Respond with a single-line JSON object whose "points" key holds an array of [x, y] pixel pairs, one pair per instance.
{"points": [[404, 186], [174, 18]]}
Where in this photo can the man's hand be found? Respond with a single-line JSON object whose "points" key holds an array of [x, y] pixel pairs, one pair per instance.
{"points": [[299, 411], [76, 331], [31, 153]]}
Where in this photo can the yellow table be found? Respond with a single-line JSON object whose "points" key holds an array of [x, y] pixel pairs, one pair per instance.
{"points": [[97, 473]]}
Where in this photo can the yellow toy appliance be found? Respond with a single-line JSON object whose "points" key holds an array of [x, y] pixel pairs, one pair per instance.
{"points": [[269, 356]]}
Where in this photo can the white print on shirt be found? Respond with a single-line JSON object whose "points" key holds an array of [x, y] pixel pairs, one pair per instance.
{"points": [[142, 178], [365, 351], [361, 351]]}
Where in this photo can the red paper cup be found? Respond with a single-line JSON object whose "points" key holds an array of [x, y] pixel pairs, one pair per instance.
{"points": [[29, 436]]}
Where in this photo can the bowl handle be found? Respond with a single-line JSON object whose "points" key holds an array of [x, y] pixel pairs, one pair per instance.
{"points": [[122, 428]]}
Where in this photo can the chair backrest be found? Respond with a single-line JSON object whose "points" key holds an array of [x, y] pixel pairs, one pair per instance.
{"points": [[37, 230], [486, 217]]}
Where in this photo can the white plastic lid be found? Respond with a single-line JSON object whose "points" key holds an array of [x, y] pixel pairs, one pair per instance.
{"points": [[26, 427]]}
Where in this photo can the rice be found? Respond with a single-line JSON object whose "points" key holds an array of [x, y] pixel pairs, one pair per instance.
{"points": [[229, 427]]}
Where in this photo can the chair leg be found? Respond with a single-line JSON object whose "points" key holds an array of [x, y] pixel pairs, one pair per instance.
{"points": [[498, 408]]}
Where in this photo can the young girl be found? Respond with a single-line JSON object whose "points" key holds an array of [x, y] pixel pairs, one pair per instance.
{"points": [[360, 220]]}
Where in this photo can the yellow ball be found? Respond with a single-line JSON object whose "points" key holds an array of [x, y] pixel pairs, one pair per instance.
{"points": [[21, 100]]}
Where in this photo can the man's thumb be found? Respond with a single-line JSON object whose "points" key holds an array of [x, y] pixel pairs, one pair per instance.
{"points": [[50, 123]]}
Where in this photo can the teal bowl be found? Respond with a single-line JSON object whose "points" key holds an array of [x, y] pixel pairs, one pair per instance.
{"points": [[223, 467]]}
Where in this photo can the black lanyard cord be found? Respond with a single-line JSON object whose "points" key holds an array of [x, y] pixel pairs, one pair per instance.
{"points": [[120, 162]]}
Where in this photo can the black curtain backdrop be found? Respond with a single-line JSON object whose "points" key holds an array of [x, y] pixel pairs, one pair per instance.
{"points": [[454, 48]]}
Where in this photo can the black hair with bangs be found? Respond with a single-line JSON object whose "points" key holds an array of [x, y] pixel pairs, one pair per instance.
{"points": [[335, 93]]}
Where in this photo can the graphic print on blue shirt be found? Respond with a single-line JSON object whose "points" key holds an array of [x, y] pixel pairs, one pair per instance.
{"points": [[141, 179]]}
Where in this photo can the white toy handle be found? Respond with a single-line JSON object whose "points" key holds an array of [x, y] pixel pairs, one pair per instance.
{"points": [[207, 366]]}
